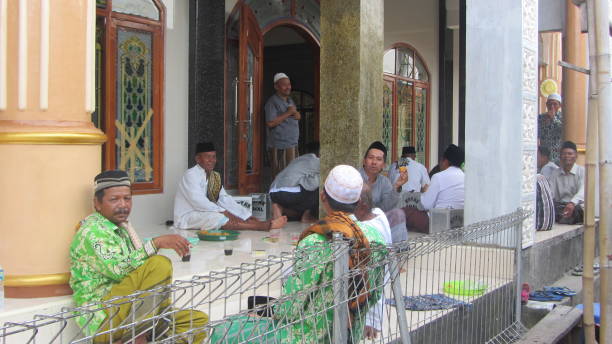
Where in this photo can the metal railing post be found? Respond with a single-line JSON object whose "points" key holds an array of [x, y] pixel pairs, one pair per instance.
{"points": [[518, 235], [340, 287], [398, 295]]}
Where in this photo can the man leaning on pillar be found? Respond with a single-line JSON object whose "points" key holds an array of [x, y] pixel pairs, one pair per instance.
{"points": [[109, 261]]}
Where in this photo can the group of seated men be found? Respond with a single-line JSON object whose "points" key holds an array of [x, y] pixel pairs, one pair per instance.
{"points": [[560, 188], [109, 261]]}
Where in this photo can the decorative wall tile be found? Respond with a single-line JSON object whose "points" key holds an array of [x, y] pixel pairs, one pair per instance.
{"points": [[530, 71], [529, 123], [528, 173], [530, 20]]}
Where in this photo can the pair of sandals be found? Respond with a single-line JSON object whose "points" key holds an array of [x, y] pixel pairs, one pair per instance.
{"points": [[578, 271], [551, 294]]}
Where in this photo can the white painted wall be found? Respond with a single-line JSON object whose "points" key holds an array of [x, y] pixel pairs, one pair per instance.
{"points": [[416, 22], [157, 208]]}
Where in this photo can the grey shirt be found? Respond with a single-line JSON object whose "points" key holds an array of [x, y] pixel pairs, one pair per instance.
{"points": [[286, 134], [302, 171], [568, 187], [383, 195], [548, 169]]}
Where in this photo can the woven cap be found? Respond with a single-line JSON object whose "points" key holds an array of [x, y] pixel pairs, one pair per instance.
{"points": [[343, 184], [109, 179]]}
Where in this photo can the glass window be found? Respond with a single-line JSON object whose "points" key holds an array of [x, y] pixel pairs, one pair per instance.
{"points": [[131, 114], [387, 135], [142, 8], [269, 10], [405, 102], [389, 62], [134, 115]]}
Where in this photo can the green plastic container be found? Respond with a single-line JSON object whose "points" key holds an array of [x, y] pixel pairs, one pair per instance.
{"points": [[465, 288], [222, 235]]}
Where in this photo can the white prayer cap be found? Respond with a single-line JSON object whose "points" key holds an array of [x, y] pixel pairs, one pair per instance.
{"points": [[343, 184], [554, 96], [279, 76]]}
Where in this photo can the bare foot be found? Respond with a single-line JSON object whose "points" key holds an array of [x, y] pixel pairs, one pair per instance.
{"points": [[277, 211], [307, 218], [279, 223]]}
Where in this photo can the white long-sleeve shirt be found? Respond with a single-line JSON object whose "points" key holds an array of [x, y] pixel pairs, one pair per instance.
{"points": [[446, 190], [192, 196], [374, 317]]}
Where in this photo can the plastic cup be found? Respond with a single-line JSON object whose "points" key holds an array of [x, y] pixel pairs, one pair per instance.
{"points": [[228, 248]]}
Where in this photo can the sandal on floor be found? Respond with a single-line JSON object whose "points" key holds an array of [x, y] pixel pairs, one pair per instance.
{"points": [[541, 295], [563, 291]]}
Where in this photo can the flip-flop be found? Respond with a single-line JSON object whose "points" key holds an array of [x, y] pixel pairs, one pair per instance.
{"points": [[563, 291], [541, 295]]}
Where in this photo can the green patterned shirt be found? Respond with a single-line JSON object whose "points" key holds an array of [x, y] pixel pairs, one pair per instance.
{"points": [[311, 323], [101, 255]]}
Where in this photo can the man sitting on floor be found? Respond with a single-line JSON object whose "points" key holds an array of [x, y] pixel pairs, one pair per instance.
{"points": [[304, 314], [545, 166], [419, 178], [108, 260], [202, 203], [567, 184], [445, 191], [384, 194], [295, 190]]}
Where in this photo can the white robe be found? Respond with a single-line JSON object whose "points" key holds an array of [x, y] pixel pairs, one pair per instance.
{"points": [[191, 202]]}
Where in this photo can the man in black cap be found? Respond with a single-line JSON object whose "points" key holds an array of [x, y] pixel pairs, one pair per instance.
{"points": [[108, 260], [445, 191], [419, 177], [567, 185], [202, 203], [384, 193]]}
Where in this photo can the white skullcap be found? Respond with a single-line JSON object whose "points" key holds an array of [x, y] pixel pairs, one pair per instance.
{"points": [[344, 184], [554, 96], [279, 76]]}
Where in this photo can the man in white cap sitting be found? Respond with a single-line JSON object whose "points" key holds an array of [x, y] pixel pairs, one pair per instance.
{"points": [[282, 120], [310, 285], [550, 127]]}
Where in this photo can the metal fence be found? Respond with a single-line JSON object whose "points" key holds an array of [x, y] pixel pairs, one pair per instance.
{"points": [[457, 286]]}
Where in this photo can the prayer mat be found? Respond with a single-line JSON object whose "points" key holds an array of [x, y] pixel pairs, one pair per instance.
{"points": [[428, 302]]}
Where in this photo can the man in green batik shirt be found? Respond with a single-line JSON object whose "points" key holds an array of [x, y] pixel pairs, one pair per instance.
{"points": [[108, 260]]}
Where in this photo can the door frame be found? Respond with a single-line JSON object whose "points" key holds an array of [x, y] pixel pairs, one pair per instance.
{"points": [[312, 40]]}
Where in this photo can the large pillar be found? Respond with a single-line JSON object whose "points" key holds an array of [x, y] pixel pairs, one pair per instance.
{"points": [[49, 148], [574, 83], [501, 109], [351, 80], [206, 76]]}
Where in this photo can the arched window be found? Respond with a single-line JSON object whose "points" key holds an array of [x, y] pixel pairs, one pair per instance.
{"points": [[405, 102], [129, 88]]}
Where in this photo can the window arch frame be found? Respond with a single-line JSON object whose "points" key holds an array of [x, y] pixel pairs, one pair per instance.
{"points": [[112, 22], [426, 85]]}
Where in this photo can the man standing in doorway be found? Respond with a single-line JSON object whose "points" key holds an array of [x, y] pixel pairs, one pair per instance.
{"points": [[550, 127], [282, 119]]}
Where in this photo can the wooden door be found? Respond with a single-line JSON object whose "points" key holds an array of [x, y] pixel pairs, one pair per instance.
{"points": [[249, 107]]}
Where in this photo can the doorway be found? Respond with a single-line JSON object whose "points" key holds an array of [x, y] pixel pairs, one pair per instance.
{"points": [[287, 49], [254, 53]]}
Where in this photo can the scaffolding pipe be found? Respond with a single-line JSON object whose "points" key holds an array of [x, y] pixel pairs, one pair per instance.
{"points": [[588, 289], [602, 44]]}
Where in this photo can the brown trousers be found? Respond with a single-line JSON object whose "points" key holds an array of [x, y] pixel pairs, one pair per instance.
{"points": [[416, 220], [280, 158]]}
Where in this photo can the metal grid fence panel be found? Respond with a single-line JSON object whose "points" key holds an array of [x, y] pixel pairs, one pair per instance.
{"points": [[457, 286]]}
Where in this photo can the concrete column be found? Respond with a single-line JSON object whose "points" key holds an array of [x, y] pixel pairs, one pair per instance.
{"points": [[50, 149], [501, 109], [351, 80], [574, 83]]}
